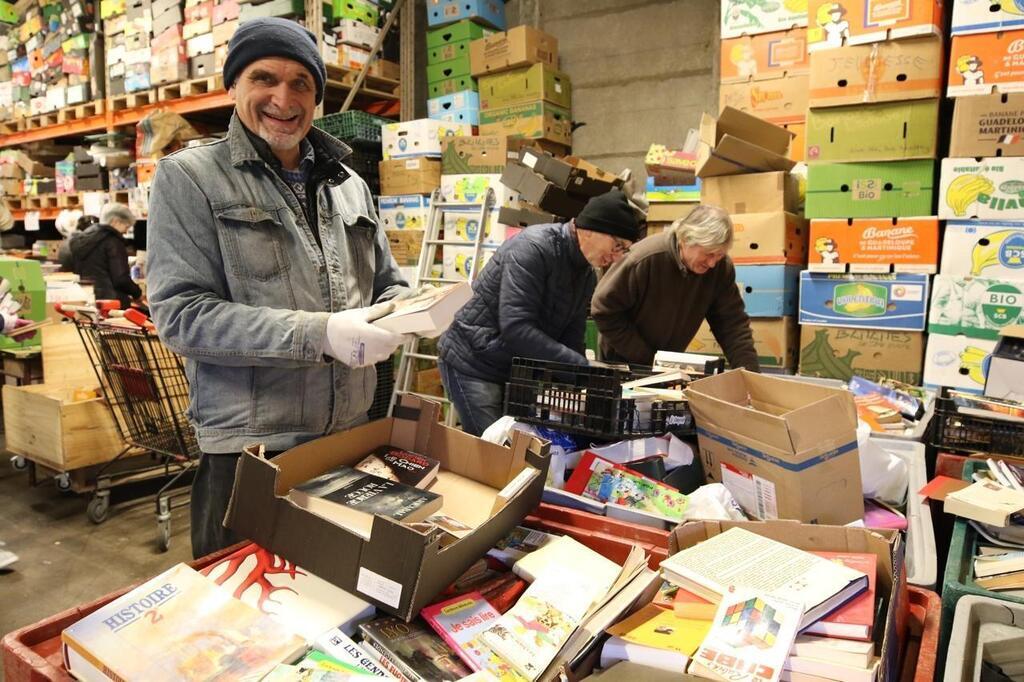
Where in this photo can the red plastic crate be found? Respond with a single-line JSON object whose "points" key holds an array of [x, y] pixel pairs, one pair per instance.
{"points": [[923, 640]]}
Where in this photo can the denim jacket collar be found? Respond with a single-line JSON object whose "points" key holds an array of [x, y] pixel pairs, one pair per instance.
{"points": [[329, 151]]}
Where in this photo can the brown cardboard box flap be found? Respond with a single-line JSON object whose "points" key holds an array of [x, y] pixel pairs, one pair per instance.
{"points": [[738, 142]]}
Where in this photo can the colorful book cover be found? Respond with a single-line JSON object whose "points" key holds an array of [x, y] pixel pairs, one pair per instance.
{"points": [[318, 660], [339, 645], [370, 494], [401, 466], [750, 639], [415, 649], [459, 620], [855, 618], [518, 543], [305, 604], [178, 626], [659, 628], [683, 603], [294, 673], [605, 481]]}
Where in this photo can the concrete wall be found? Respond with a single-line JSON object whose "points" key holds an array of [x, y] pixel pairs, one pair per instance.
{"points": [[642, 71]]}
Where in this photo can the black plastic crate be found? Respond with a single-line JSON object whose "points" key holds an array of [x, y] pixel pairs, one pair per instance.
{"points": [[587, 401], [385, 385], [353, 126], [953, 430]]}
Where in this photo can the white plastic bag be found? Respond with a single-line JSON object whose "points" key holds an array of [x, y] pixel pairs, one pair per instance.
{"points": [[712, 502], [883, 475]]}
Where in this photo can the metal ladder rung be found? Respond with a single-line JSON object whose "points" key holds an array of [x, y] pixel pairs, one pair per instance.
{"points": [[457, 204], [441, 280], [427, 396], [447, 242], [421, 356]]}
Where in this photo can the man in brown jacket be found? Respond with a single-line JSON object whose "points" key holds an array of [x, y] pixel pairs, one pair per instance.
{"points": [[657, 297]]}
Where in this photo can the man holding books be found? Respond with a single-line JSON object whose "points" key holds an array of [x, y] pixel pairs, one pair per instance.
{"points": [[531, 301], [267, 267], [658, 296]]}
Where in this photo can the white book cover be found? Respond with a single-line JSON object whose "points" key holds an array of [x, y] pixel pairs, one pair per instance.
{"points": [[339, 645], [833, 669], [428, 314], [845, 651]]}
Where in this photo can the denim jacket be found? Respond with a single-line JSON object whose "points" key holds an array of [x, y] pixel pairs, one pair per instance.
{"points": [[239, 287]]}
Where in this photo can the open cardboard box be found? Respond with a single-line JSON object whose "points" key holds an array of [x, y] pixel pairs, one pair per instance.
{"points": [[400, 568], [737, 142]]}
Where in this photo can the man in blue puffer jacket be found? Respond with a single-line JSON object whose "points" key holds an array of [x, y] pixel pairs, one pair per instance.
{"points": [[531, 301]]}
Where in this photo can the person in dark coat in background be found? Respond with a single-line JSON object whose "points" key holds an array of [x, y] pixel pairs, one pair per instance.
{"points": [[531, 300], [99, 253]]}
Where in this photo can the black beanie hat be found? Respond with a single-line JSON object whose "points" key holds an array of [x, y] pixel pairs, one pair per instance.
{"points": [[273, 37], [610, 213]]}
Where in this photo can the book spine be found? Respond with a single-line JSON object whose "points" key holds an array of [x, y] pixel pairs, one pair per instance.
{"points": [[388, 660], [76, 646]]}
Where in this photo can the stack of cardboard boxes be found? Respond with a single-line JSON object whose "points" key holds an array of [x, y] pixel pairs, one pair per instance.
{"points": [[128, 32], [288, 9], [672, 187], [452, 90], [170, 31], [980, 284], [46, 57], [744, 168], [871, 149], [20, 174], [350, 31], [200, 43]]}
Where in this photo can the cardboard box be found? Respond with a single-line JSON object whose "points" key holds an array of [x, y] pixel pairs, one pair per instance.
{"points": [[487, 12], [473, 472], [768, 290], [784, 449], [465, 29], [421, 137], [738, 142], [524, 217], [202, 44], [1005, 380], [673, 193], [880, 72], [779, 100], [668, 212], [453, 68], [223, 31], [957, 362], [166, 20], [898, 301], [870, 190], [519, 46], [451, 86], [775, 340], [574, 175], [890, 131], [477, 154], [765, 55], [405, 246], [351, 57], [403, 212], [739, 19], [472, 187], [832, 23], [410, 176], [458, 261], [985, 63], [769, 239], [539, 120], [753, 193], [875, 354], [203, 66], [977, 307], [228, 10], [536, 190], [459, 107], [977, 17], [358, 10], [464, 224], [988, 125], [525, 86], [983, 249], [874, 245], [988, 189], [353, 32]]}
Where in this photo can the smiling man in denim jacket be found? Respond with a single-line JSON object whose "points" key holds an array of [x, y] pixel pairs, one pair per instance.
{"points": [[266, 268]]}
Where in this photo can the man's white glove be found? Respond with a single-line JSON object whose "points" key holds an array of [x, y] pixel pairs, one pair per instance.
{"points": [[353, 340]]}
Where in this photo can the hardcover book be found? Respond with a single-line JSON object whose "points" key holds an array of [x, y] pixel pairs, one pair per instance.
{"points": [[601, 479], [401, 466], [414, 649], [856, 618]]}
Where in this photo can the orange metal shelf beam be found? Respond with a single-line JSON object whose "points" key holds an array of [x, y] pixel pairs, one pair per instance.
{"points": [[44, 213]]}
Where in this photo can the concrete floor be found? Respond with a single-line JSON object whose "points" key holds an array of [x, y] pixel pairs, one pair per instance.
{"points": [[65, 559]]}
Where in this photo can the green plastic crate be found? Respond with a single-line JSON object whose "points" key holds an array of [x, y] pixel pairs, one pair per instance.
{"points": [[959, 578], [459, 31], [590, 336], [352, 125]]}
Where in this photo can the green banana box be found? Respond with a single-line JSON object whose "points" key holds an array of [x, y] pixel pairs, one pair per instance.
{"points": [[978, 307], [983, 248], [957, 362], [888, 131], [987, 189], [25, 297], [894, 189], [841, 352]]}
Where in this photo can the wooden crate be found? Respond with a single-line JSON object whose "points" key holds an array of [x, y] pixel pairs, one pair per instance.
{"points": [[44, 424]]}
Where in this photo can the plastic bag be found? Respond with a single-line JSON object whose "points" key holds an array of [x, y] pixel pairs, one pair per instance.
{"points": [[712, 502], [883, 475]]}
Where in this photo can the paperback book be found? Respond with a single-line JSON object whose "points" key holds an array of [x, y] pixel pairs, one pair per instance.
{"points": [[339, 645], [401, 466], [656, 628], [412, 648], [517, 544], [605, 481], [459, 620]]}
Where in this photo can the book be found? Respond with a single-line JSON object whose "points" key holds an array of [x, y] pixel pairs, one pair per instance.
{"points": [[683, 603], [737, 559], [986, 502], [616, 649], [428, 314], [401, 466], [657, 628], [856, 618], [833, 670], [302, 602], [564, 498], [414, 649], [997, 564], [518, 543], [293, 673], [630, 671], [989, 408], [318, 660], [750, 639], [338, 644], [567, 556], [845, 651], [178, 625], [1003, 581], [606, 481], [459, 620], [352, 498]]}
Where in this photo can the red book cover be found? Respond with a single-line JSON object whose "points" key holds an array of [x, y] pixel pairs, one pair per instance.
{"points": [[856, 618]]}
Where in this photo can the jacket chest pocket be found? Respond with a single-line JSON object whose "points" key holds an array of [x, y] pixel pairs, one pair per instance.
{"points": [[252, 241], [360, 257]]}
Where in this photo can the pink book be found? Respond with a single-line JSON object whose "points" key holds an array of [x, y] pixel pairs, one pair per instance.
{"points": [[856, 618], [459, 620]]}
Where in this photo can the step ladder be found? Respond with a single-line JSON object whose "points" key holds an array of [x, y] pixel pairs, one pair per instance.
{"points": [[411, 352]]}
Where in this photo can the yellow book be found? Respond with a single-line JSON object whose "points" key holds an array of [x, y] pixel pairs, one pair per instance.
{"points": [[662, 629]]}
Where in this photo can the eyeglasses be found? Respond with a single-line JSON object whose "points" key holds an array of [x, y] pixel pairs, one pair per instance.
{"points": [[621, 247]]}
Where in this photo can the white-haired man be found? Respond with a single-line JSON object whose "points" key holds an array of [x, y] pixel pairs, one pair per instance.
{"points": [[99, 253], [657, 297]]}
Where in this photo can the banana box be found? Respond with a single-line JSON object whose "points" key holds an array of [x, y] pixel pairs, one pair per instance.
{"points": [[464, 224], [458, 261], [988, 189], [874, 245], [987, 125], [893, 189], [842, 352], [740, 17], [983, 249], [833, 24], [768, 290], [987, 62], [898, 301], [403, 211], [471, 188], [977, 307], [765, 55], [957, 362], [25, 297], [887, 131], [421, 137], [405, 246], [974, 16], [769, 238], [775, 340], [777, 100]]}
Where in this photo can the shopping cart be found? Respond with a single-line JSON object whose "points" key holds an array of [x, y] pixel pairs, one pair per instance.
{"points": [[145, 386]]}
